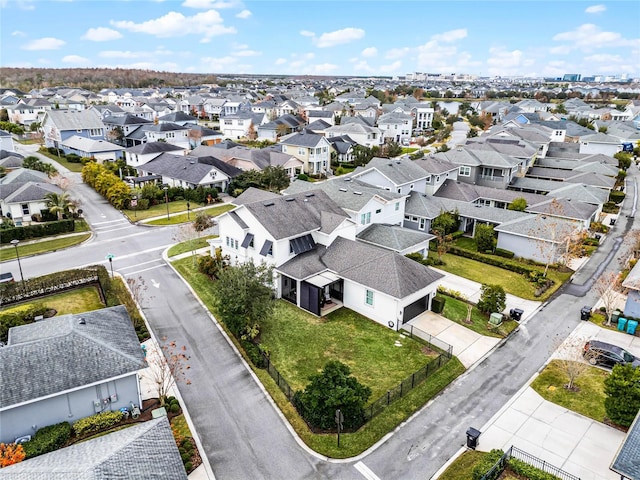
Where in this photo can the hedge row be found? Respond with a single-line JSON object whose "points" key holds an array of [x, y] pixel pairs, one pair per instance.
{"points": [[496, 262], [97, 422], [36, 231], [47, 439]]}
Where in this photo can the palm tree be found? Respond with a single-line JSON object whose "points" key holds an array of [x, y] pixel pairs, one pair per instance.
{"points": [[59, 203]]}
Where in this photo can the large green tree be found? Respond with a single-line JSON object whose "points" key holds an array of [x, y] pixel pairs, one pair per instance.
{"points": [[243, 296], [485, 237], [335, 388], [492, 299], [622, 389]]}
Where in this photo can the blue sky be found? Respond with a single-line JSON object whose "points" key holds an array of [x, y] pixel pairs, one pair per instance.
{"points": [[330, 37]]}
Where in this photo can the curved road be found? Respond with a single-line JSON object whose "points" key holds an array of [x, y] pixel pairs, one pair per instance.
{"points": [[243, 435]]}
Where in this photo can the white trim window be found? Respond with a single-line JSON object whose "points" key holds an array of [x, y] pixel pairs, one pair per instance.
{"points": [[365, 218], [368, 297], [464, 171]]}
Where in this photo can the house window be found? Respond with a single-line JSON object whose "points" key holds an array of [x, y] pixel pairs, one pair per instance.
{"points": [[95, 132], [423, 222], [464, 171], [365, 218], [379, 210], [369, 298], [399, 190], [228, 122], [411, 187], [397, 206], [25, 208], [302, 151], [437, 178]]}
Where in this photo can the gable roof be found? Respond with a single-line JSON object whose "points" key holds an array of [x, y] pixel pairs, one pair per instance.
{"points": [[61, 353], [393, 237], [26, 192], [291, 215], [143, 451], [542, 227], [377, 268], [90, 145], [178, 116], [187, 168], [253, 194], [24, 175], [399, 171], [75, 119], [302, 139], [153, 147], [625, 463]]}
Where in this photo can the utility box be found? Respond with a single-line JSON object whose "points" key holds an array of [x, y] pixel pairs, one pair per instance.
{"points": [[472, 437], [495, 319]]}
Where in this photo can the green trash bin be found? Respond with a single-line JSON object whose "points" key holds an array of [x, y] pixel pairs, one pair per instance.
{"points": [[615, 315], [622, 324], [631, 327]]}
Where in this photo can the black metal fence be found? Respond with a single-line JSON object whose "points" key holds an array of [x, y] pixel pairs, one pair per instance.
{"points": [[430, 339], [402, 389], [529, 459]]}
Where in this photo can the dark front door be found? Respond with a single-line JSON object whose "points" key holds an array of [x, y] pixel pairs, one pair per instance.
{"points": [[310, 298]]}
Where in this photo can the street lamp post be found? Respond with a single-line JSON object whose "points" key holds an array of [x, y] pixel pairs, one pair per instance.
{"points": [[166, 199], [15, 243], [110, 257], [188, 215]]}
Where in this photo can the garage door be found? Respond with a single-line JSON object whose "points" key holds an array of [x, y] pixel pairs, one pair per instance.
{"points": [[414, 309]]}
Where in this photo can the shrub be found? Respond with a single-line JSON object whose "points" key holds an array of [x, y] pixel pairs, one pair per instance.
{"points": [[303, 176], [501, 252], [185, 457], [622, 389], [188, 466], [174, 408], [457, 234], [528, 471], [253, 352], [16, 316], [48, 439], [97, 422], [485, 238], [591, 241], [487, 462], [616, 197], [492, 299], [437, 304], [36, 231], [73, 158]]}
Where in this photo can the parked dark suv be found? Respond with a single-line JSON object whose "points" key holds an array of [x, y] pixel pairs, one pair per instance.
{"points": [[608, 355]]}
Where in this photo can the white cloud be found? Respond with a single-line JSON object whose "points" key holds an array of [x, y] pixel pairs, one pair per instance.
{"points": [[307, 33], [207, 4], [101, 34], [369, 52], [324, 68], [450, 36], [362, 66], [166, 66], [174, 24], [590, 37], [18, 33], [595, 9], [46, 43], [128, 54], [75, 59], [392, 67], [244, 14], [339, 37], [281, 61], [396, 53], [247, 53]]}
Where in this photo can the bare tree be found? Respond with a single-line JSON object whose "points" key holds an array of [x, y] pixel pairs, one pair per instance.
{"points": [[195, 136], [64, 183], [608, 286], [188, 234], [569, 356], [138, 289], [168, 365]]}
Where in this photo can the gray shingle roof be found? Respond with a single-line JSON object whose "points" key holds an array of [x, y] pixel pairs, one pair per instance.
{"points": [[127, 119], [374, 267], [178, 116], [292, 215], [140, 452], [75, 119], [59, 354], [27, 192], [252, 194], [153, 147], [302, 139], [187, 169], [435, 166], [349, 194], [398, 170], [543, 227], [626, 462], [23, 175], [565, 207], [393, 237]]}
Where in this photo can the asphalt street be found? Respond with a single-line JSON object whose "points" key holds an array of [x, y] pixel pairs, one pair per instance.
{"points": [[243, 434]]}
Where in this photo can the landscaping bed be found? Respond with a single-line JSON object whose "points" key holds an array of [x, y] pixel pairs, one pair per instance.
{"points": [[456, 311]]}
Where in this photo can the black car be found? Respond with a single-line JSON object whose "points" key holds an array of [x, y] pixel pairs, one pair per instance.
{"points": [[608, 355]]}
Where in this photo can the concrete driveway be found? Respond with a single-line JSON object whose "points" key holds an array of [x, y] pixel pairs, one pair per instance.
{"points": [[458, 135]]}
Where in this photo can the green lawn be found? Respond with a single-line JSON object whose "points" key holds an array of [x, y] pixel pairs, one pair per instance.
{"points": [[462, 467], [177, 209], [26, 249], [301, 344], [74, 167], [588, 400], [188, 246], [456, 310], [179, 423], [80, 300], [512, 282], [353, 443]]}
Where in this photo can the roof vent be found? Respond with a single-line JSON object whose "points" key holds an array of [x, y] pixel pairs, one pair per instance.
{"points": [[82, 321], [289, 199], [309, 194], [358, 193], [268, 204], [343, 189]]}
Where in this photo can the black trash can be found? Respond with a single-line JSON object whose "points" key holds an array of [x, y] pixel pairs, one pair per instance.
{"points": [[516, 314], [585, 313], [472, 437]]}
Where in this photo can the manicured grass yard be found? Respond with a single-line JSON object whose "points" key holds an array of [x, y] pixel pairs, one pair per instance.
{"points": [[350, 443], [74, 167], [301, 344], [456, 310], [512, 282], [75, 301], [462, 467], [185, 247], [25, 249], [587, 401], [177, 210]]}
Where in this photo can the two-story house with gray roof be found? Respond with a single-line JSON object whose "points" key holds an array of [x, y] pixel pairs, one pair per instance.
{"points": [[311, 242], [400, 175], [312, 149], [396, 126], [67, 368], [58, 125], [22, 194], [483, 167]]}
